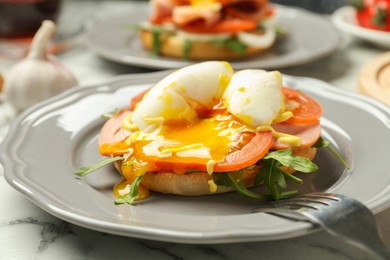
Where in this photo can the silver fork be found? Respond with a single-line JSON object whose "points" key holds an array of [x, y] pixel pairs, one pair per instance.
{"points": [[337, 214]]}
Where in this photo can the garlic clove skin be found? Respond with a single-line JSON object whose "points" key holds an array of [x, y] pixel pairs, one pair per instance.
{"points": [[39, 76], [25, 86]]}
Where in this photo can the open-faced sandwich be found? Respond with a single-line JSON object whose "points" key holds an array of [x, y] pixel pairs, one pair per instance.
{"points": [[205, 129], [209, 29]]}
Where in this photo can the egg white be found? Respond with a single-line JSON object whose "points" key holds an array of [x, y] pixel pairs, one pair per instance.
{"points": [[254, 96], [178, 95]]}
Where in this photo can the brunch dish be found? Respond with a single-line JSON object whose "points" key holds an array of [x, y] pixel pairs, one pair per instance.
{"points": [[209, 29], [73, 123], [358, 23], [206, 129], [308, 38]]}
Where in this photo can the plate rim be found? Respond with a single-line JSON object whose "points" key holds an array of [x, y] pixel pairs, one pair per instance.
{"points": [[180, 237]]}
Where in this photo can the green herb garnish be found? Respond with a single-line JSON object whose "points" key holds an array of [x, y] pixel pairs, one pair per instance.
{"points": [[156, 33], [231, 43], [90, 168], [234, 180], [326, 144], [109, 115], [127, 198], [274, 178], [133, 194], [186, 49], [286, 158], [134, 26]]}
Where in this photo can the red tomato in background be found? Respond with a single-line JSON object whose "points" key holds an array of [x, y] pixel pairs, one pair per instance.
{"points": [[373, 14]]}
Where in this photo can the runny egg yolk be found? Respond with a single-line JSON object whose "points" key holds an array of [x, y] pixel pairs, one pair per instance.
{"points": [[184, 147]]}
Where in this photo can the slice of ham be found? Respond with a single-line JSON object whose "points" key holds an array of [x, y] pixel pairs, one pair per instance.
{"points": [[112, 131], [246, 9], [207, 15], [309, 134], [162, 9]]}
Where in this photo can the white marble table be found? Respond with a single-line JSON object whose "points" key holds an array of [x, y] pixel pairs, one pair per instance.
{"points": [[27, 232]]}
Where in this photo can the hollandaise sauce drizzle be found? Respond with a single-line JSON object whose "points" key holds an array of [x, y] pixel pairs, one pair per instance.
{"points": [[282, 137]]}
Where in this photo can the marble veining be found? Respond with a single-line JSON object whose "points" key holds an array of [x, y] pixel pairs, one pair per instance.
{"points": [[50, 231]]}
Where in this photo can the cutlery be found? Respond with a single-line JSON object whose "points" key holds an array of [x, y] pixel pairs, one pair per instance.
{"points": [[337, 214]]}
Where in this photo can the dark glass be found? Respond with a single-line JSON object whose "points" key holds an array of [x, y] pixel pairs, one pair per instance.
{"points": [[22, 18]]}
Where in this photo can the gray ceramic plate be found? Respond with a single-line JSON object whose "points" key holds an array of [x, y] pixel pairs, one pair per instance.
{"points": [[311, 36], [49, 141]]}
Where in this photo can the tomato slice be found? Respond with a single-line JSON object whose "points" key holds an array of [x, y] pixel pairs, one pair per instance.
{"points": [[307, 111], [224, 26], [250, 153]]}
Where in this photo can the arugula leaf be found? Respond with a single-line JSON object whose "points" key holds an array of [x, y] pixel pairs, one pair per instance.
{"points": [[135, 26], [156, 32], [110, 114], [326, 144], [186, 49], [267, 173], [231, 43], [236, 46], [130, 197], [90, 168], [234, 180], [286, 158], [274, 178]]}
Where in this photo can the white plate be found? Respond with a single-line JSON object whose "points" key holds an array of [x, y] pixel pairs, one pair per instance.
{"points": [[344, 19], [311, 37], [49, 141]]}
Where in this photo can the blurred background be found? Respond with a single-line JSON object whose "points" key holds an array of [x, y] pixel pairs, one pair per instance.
{"points": [[23, 18]]}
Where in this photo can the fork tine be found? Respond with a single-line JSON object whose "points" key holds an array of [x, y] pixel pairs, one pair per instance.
{"points": [[318, 195], [311, 201]]}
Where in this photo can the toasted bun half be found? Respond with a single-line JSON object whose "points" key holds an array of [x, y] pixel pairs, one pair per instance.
{"points": [[173, 46], [196, 184]]}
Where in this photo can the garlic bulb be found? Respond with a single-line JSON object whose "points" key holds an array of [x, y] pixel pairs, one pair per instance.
{"points": [[39, 76]]}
